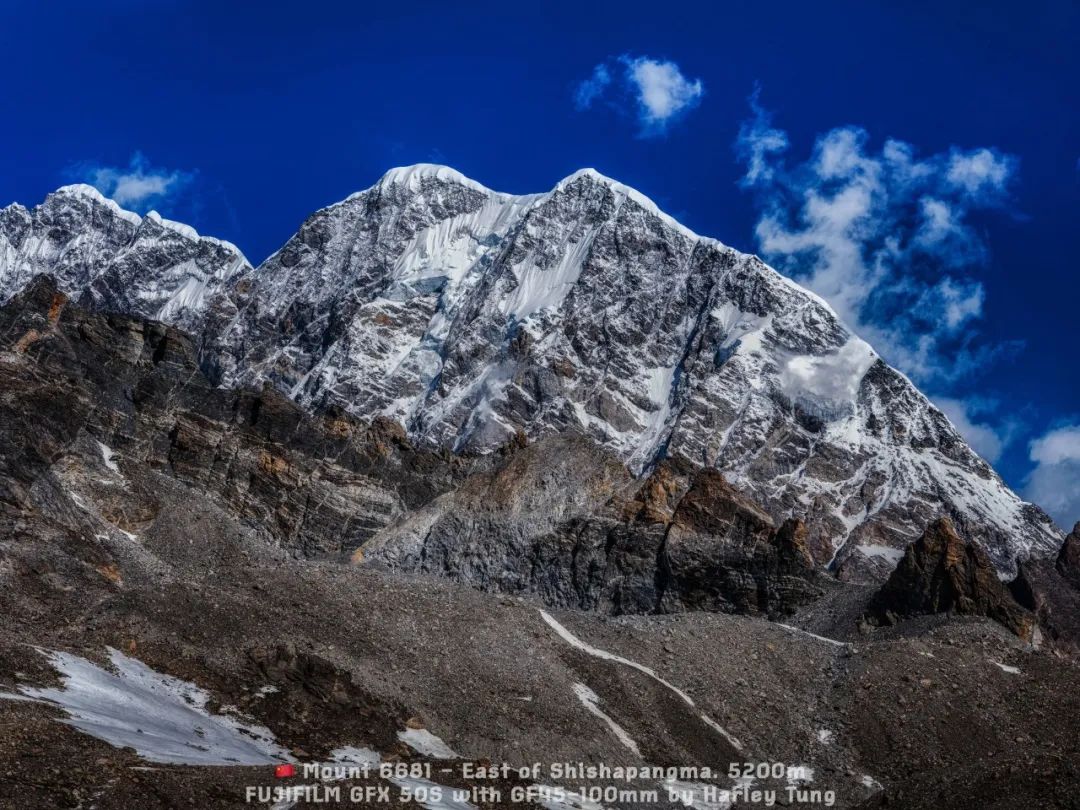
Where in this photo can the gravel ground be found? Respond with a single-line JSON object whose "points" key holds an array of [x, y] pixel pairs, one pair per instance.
{"points": [[904, 715]]}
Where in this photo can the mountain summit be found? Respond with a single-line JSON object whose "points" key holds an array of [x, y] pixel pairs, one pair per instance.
{"points": [[470, 316]]}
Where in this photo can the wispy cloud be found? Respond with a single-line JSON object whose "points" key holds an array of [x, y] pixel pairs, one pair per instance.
{"points": [[656, 91], [138, 186], [884, 236], [589, 90], [982, 173], [757, 141], [1054, 484], [972, 418]]}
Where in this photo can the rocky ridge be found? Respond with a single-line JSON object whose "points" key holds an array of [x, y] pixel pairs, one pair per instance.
{"points": [[681, 540], [563, 518]]}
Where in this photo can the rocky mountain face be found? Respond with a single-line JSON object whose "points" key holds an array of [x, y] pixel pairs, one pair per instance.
{"points": [[126, 392], [563, 519], [940, 573], [681, 540], [468, 316], [1068, 559], [1051, 589]]}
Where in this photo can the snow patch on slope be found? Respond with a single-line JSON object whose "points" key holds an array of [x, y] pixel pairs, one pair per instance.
{"points": [[591, 701], [540, 288], [108, 455], [596, 652], [163, 718], [888, 553], [424, 742]]}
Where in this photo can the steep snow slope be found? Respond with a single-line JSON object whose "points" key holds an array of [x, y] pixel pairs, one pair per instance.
{"points": [[468, 315]]}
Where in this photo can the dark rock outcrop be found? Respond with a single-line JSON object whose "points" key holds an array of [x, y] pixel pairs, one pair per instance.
{"points": [[1051, 590], [1068, 559], [723, 552], [565, 520], [940, 573]]}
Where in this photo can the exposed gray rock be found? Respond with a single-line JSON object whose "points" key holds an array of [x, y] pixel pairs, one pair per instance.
{"points": [[1051, 590], [1068, 559], [565, 520]]}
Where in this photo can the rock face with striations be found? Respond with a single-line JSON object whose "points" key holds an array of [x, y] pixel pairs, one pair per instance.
{"points": [[104, 415], [469, 316], [99, 410], [940, 573], [566, 520]]}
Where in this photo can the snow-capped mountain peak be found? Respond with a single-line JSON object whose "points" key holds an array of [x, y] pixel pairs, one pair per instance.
{"points": [[470, 315], [413, 176], [112, 258], [97, 198]]}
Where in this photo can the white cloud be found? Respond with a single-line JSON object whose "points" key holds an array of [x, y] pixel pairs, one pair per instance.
{"points": [[938, 222], [1054, 484], [883, 236], [958, 301], [1057, 446], [984, 439], [137, 186], [830, 382], [981, 172], [592, 88], [654, 90], [662, 90]]}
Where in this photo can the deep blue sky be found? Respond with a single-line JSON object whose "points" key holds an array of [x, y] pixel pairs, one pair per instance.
{"points": [[279, 109]]}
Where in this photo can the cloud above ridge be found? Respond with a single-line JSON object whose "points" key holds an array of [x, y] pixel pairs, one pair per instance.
{"points": [[1054, 484], [884, 235], [138, 186], [655, 91]]}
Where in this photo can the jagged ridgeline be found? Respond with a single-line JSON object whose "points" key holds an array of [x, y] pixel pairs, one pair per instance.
{"points": [[470, 317]]}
